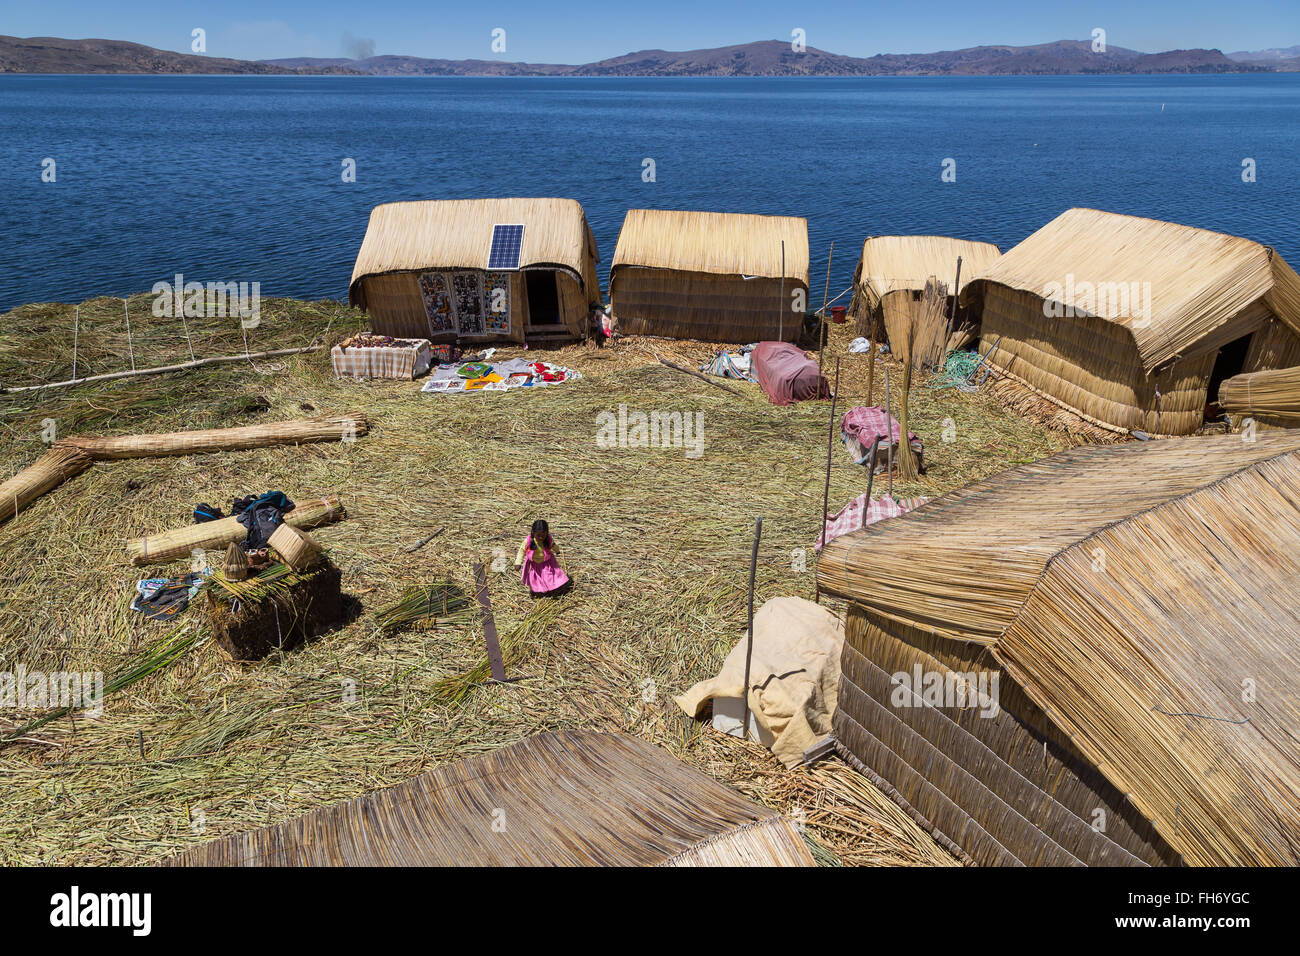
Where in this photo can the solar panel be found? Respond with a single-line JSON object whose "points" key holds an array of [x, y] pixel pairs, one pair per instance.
{"points": [[506, 243]]}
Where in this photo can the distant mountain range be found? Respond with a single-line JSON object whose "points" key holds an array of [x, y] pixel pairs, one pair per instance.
{"points": [[763, 58]]}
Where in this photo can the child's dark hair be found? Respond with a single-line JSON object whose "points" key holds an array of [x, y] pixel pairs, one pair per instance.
{"points": [[541, 534]]}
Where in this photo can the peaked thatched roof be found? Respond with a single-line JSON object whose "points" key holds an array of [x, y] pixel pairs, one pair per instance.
{"points": [[718, 243], [890, 263], [1201, 283], [457, 234], [556, 799], [1134, 592]]}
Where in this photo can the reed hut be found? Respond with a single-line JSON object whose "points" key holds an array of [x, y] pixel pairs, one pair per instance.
{"points": [[1132, 611], [1131, 324], [720, 277], [478, 270], [570, 798], [892, 273]]}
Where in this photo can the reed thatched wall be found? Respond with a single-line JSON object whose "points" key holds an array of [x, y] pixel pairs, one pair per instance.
{"points": [[708, 275], [1091, 367], [568, 798], [406, 239], [1135, 594], [1012, 766]]}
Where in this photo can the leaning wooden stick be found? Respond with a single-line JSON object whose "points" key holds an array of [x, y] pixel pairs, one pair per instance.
{"points": [[749, 634], [830, 444], [702, 377], [180, 367]]}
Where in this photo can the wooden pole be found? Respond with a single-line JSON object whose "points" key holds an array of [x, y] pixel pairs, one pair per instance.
{"points": [[183, 366], [830, 444], [821, 329], [889, 427], [129, 347], [780, 312], [702, 377], [871, 352], [952, 318], [76, 335], [749, 634]]}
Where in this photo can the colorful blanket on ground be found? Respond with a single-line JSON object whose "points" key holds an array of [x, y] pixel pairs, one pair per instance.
{"points": [[858, 513], [735, 364], [381, 356], [862, 425], [499, 377]]}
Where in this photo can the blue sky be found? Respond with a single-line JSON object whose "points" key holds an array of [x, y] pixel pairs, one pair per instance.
{"points": [[579, 31]]}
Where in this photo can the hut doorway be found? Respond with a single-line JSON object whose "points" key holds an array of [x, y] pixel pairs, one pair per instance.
{"points": [[543, 298], [1230, 361]]}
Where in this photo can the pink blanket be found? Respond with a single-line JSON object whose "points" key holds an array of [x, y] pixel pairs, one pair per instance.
{"points": [[786, 374], [862, 425]]}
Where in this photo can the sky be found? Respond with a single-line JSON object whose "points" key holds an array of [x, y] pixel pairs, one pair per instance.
{"points": [[580, 31]]}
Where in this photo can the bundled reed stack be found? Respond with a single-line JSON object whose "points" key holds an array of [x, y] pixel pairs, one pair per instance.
{"points": [[235, 566], [1121, 324], [572, 798], [296, 548], [180, 542], [1271, 397], [1112, 601], [296, 432], [919, 331], [49, 471]]}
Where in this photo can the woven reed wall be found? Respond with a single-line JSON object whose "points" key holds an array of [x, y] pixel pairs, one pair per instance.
{"points": [[1091, 366], [396, 307], [1038, 757], [694, 305], [1146, 663], [568, 798], [1274, 346]]}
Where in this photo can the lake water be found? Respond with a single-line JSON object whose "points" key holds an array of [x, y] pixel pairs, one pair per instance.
{"points": [[238, 178]]}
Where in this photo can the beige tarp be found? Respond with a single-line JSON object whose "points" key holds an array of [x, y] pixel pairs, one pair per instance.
{"points": [[793, 675]]}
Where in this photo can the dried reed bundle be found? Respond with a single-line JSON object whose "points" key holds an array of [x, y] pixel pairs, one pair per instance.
{"points": [[198, 442], [49, 471], [298, 549], [438, 604], [917, 328], [235, 567], [570, 798], [1273, 395], [180, 542]]}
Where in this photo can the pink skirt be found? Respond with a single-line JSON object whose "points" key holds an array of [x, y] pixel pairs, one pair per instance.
{"points": [[544, 577]]}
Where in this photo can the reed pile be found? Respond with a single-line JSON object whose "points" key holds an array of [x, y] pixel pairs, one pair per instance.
{"points": [[49, 471], [1272, 395], [181, 542], [301, 431]]}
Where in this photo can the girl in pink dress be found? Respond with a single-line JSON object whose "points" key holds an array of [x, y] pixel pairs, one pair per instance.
{"points": [[541, 563]]}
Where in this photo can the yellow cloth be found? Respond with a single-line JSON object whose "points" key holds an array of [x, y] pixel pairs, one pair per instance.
{"points": [[474, 383], [796, 662]]}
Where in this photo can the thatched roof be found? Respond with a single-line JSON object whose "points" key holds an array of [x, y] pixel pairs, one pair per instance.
{"points": [[1132, 592], [457, 234], [717, 243], [890, 263], [1201, 283], [572, 798]]}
